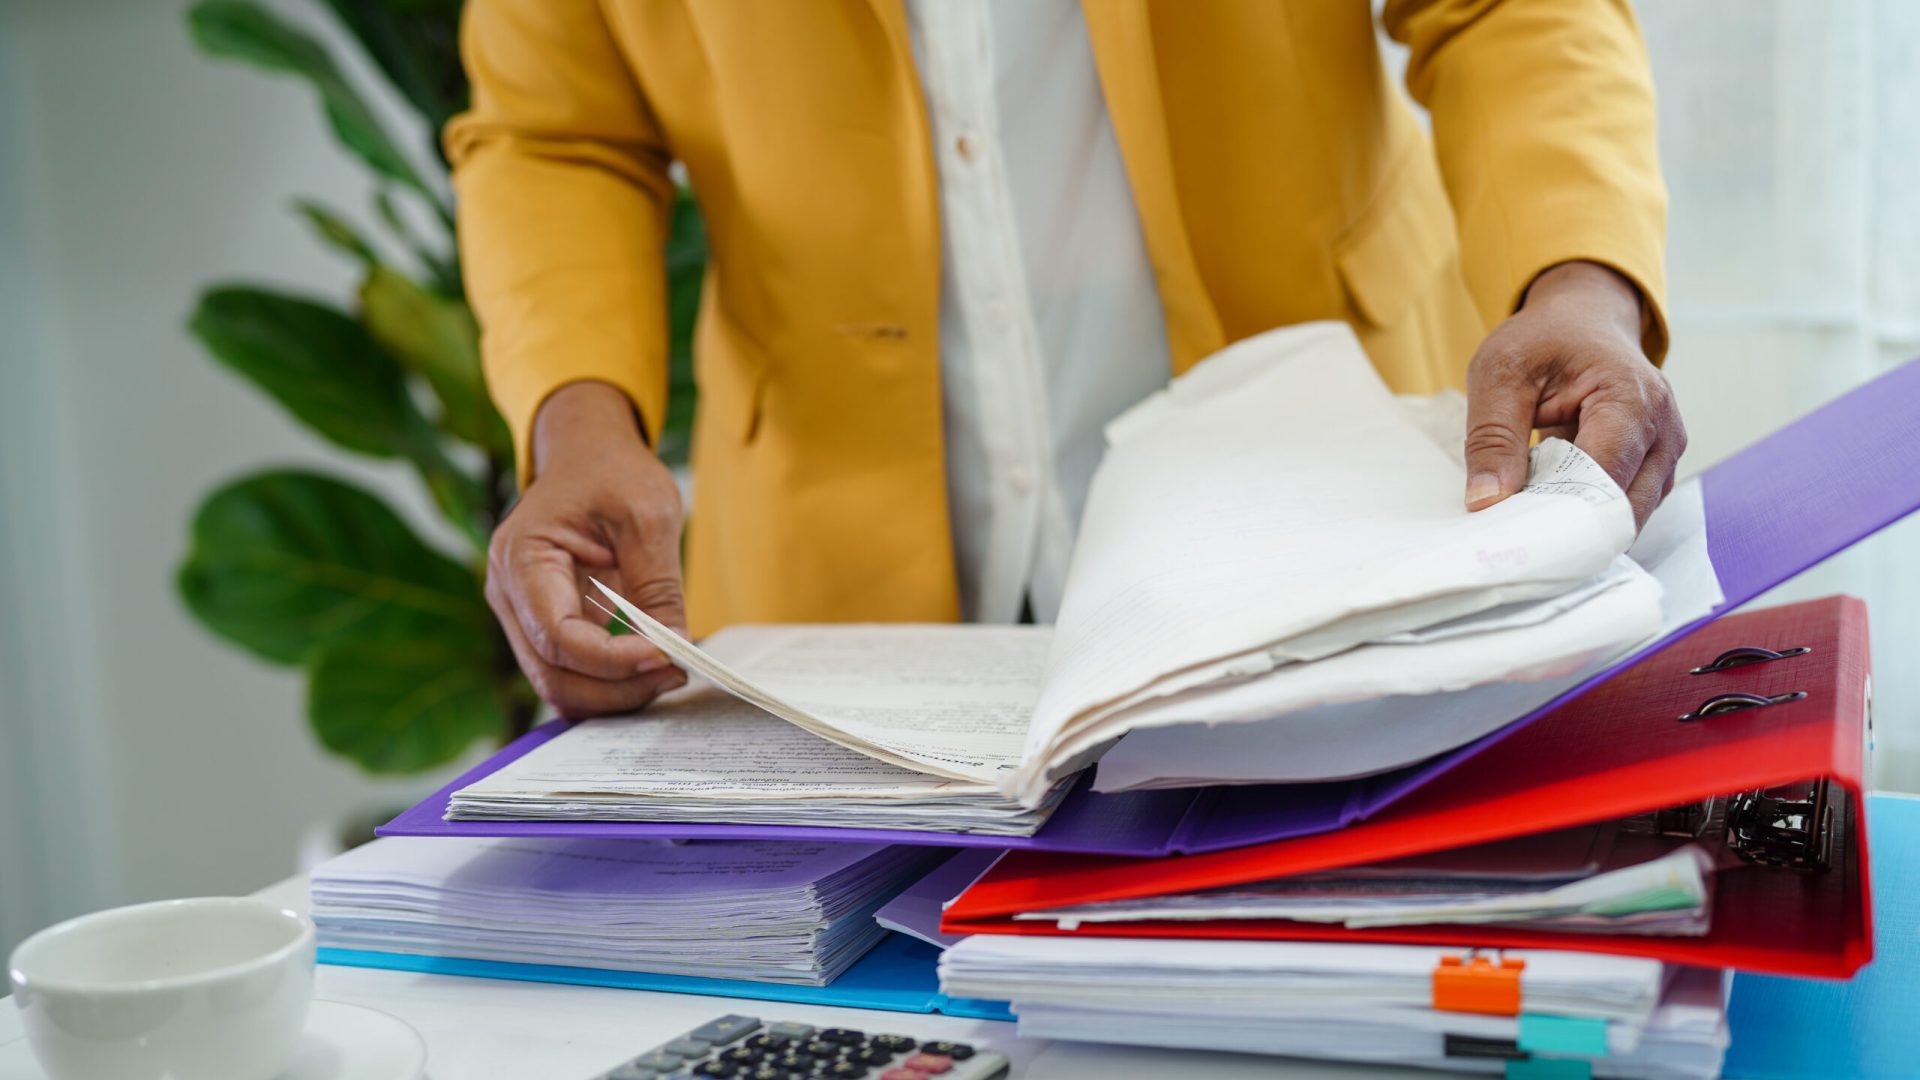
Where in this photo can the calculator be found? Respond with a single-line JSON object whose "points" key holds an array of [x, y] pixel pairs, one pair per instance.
{"points": [[745, 1047]]}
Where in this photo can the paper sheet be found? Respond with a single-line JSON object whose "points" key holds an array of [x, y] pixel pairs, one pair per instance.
{"points": [[950, 700], [1320, 743], [1278, 492], [703, 755]]}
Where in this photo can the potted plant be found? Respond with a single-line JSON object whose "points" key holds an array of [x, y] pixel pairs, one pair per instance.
{"points": [[405, 667]]}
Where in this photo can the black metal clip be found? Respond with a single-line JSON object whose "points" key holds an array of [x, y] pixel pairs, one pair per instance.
{"points": [[1792, 830], [1720, 704], [1745, 655]]}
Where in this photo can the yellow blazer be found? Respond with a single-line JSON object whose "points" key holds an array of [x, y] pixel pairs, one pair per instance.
{"points": [[1279, 175]]}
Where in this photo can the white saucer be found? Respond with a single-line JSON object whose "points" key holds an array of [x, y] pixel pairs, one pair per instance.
{"points": [[342, 1042], [352, 1042]]}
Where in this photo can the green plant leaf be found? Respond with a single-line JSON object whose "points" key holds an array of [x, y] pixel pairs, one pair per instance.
{"points": [[436, 338], [317, 362], [416, 45], [445, 269], [241, 30], [283, 563], [403, 706], [686, 258], [335, 231]]}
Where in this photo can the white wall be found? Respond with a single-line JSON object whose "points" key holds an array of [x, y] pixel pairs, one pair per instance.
{"points": [[132, 172]]}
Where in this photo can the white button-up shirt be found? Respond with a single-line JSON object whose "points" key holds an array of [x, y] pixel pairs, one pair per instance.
{"points": [[1050, 324]]}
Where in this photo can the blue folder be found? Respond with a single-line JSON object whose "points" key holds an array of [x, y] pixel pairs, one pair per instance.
{"points": [[898, 975], [1802, 1029]]}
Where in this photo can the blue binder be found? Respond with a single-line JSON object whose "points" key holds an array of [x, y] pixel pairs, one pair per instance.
{"points": [[898, 975]]}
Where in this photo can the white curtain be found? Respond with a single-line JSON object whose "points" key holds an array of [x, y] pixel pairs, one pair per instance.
{"points": [[1790, 136]]}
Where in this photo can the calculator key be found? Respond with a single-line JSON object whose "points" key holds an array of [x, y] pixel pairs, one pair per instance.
{"points": [[901, 1072], [688, 1048], [658, 1061], [871, 1055], [630, 1071], [766, 1072], [954, 1050], [844, 1069], [822, 1048], [765, 1041], [929, 1063], [842, 1035], [719, 1069], [896, 1042], [729, 1028], [747, 1054], [790, 1031]]}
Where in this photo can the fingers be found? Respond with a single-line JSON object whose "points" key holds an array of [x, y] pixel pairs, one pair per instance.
{"points": [[539, 592], [1662, 461], [648, 547], [574, 695], [1502, 397], [1617, 438], [1653, 483]]}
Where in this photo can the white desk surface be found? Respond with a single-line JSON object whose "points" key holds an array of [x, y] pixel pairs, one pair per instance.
{"points": [[490, 1029]]}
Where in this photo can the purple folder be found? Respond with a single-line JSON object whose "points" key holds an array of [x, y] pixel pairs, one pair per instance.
{"points": [[1776, 508]]}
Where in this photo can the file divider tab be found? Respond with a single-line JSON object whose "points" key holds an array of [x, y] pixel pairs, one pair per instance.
{"points": [[1582, 1035]]}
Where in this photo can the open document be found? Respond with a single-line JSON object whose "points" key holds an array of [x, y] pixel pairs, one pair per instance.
{"points": [[1273, 535]]}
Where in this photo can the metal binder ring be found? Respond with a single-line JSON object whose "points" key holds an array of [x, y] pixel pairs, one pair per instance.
{"points": [[1747, 654], [1734, 702]]}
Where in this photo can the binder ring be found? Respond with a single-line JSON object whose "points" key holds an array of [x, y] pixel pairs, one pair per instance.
{"points": [[1745, 655], [1719, 704]]}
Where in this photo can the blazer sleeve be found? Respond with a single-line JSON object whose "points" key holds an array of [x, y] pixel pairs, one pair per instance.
{"points": [[564, 203], [1544, 123]]}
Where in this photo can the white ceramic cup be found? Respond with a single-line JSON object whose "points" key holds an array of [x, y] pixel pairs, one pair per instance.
{"points": [[209, 989]]}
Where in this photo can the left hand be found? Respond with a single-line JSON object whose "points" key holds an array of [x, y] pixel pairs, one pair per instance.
{"points": [[1569, 363]]}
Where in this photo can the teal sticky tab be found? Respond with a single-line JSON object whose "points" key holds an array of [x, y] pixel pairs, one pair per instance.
{"points": [[1549, 1069], [1563, 1035]]}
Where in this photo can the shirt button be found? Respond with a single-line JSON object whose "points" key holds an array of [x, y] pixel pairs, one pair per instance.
{"points": [[1020, 478], [964, 147]]}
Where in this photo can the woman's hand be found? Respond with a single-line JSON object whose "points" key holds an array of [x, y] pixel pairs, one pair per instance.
{"points": [[1569, 363], [601, 505]]}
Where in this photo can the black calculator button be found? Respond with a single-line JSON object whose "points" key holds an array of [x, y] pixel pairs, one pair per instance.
{"points": [[842, 1035], [893, 1042], [954, 1050], [821, 1048], [845, 1069], [719, 1069], [744, 1055]]}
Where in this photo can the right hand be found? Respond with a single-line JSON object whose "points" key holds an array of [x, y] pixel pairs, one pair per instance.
{"points": [[601, 505]]}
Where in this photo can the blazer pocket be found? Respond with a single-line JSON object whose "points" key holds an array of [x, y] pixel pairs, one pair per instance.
{"points": [[1401, 242]]}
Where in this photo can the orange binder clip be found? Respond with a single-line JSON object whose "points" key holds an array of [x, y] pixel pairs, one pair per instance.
{"points": [[1475, 984]]}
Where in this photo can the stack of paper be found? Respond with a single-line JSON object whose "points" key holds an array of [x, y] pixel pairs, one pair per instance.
{"points": [[774, 912], [702, 755], [1625, 1016], [1593, 879]]}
